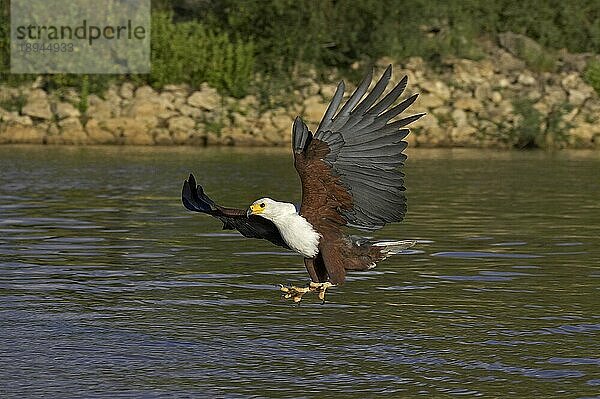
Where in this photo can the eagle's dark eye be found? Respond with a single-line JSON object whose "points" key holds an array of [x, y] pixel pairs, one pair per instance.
{"points": [[262, 205]]}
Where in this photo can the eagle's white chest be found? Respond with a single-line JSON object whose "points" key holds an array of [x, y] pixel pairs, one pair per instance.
{"points": [[298, 234]]}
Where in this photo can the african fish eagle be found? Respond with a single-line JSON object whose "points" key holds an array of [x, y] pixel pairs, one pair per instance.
{"points": [[351, 177]]}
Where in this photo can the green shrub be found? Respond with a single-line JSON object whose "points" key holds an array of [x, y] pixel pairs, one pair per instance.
{"points": [[528, 132], [338, 32], [187, 52], [13, 104], [592, 75], [556, 132], [536, 131]]}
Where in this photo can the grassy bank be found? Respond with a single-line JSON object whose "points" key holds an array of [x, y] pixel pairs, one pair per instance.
{"points": [[225, 43]]}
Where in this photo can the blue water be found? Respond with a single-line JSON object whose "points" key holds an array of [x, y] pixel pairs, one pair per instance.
{"points": [[110, 288]]}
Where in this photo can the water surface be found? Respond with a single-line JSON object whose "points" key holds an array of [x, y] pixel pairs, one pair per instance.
{"points": [[110, 288]]}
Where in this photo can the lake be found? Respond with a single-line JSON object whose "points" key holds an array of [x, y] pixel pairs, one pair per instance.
{"points": [[109, 288]]}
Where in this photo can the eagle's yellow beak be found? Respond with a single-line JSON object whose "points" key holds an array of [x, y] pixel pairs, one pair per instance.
{"points": [[255, 209]]}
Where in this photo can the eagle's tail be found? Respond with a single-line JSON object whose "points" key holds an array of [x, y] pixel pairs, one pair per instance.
{"points": [[193, 197], [389, 248]]}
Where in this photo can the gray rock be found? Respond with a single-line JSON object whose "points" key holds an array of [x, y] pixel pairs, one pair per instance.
{"points": [[282, 122], [145, 92], [180, 137], [66, 110], [19, 134], [13, 118], [437, 88], [97, 135], [236, 137], [310, 89], [72, 123], [534, 95], [176, 88], [518, 44], [248, 102], [239, 120], [463, 135], [483, 92], [139, 139], [578, 97], [468, 104], [328, 90], [459, 117], [167, 99], [526, 79], [207, 98], [430, 101], [314, 108], [496, 97], [188, 110], [125, 126], [100, 110], [72, 132], [181, 124], [161, 136], [37, 105], [126, 91], [113, 97]]}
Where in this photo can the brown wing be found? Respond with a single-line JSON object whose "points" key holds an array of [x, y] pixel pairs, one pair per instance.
{"points": [[323, 194], [323, 197], [350, 169], [359, 151]]}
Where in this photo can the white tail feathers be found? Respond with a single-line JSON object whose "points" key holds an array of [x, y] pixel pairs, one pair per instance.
{"points": [[389, 248]]}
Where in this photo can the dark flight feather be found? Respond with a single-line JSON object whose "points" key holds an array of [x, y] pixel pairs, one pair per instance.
{"points": [[194, 199], [361, 137]]}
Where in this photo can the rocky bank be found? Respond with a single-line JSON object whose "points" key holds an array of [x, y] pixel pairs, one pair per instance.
{"points": [[494, 102]]}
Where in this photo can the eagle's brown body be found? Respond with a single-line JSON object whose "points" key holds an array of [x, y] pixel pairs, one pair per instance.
{"points": [[326, 196]]}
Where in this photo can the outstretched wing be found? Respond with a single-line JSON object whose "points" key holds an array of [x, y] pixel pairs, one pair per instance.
{"points": [[350, 169], [194, 199]]}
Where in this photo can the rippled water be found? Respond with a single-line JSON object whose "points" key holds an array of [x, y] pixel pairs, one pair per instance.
{"points": [[110, 288]]}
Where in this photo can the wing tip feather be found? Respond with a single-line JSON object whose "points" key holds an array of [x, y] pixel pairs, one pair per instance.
{"points": [[301, 136]]}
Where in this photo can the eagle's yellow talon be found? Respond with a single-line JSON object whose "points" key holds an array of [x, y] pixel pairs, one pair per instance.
{"points": [[282, 288], [321, 288], [293, 292], [296, 293]]}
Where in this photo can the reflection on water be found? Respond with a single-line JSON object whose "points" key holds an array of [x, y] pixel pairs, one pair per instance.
{"points": [[109, 288]]}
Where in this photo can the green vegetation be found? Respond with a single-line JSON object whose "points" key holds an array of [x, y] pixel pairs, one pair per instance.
{"points": [[528, 132], [13, 104], [592, 75], [532, 130], [189, 52], [326, 33]]}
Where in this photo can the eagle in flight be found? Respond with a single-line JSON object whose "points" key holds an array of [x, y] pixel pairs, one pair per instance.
{"points": [[351, 176]]}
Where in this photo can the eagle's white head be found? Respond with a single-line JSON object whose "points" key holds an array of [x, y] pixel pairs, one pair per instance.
{"points": [[271, 209], [297, 233]]}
